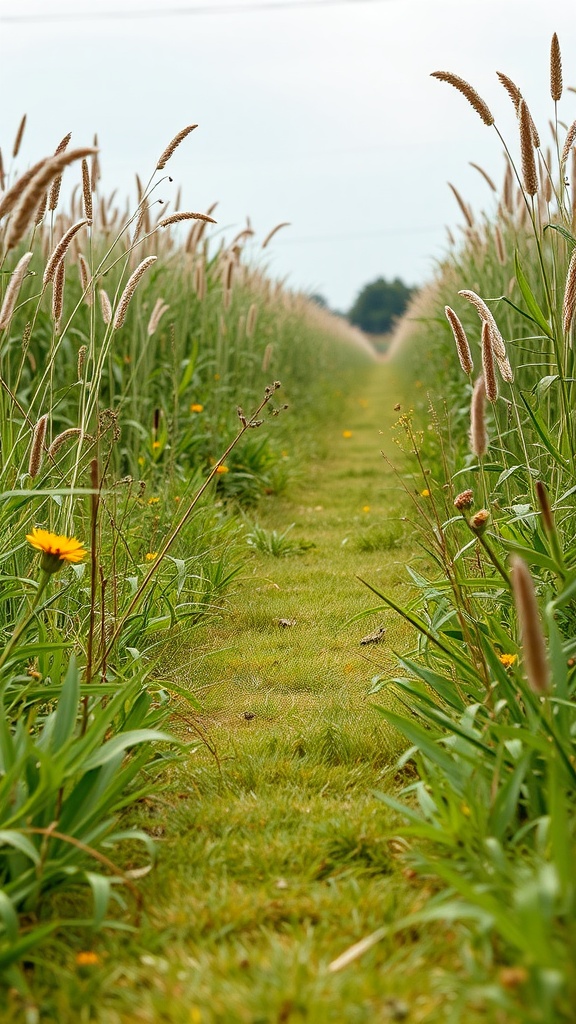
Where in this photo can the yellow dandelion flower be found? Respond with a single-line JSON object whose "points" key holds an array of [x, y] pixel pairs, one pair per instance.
{"points": [[508, 659], [346, 433], [56, 550], [425, 493], [151, 556], [222, 469], [153, 501], [87, 958], [366, 508], [196, 407], [155, 444], [141, 460]]}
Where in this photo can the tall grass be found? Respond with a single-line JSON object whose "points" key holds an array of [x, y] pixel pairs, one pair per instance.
{"points": [[489, 688], [125, 348]]}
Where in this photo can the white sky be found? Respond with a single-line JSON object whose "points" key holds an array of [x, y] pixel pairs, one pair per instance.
{"points": [[324, 116]]}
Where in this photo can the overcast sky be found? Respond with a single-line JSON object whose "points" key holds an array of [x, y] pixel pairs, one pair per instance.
{"points": [[314, 112]]}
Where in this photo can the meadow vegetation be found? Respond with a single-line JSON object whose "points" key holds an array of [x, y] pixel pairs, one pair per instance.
{"points": [[488, 693], [128, 355], [363, 799]]}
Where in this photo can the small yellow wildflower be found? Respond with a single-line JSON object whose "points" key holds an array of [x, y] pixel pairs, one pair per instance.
{"points": [[153, 501], [196, 407], [346, 433], [508, 659], [87, 958], [425, 493], [222, 469], [155, 444], [141, 460], [216, 376], [151, 556], [56, 549], [366, 508]]}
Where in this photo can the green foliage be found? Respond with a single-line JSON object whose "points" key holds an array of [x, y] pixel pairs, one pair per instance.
{"points": [[379, 305], [489, 690], [276, 543]]}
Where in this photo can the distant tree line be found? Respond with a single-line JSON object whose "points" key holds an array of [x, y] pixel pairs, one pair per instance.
{"points": [[379, 304]]}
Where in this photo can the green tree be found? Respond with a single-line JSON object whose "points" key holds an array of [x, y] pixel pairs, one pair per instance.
{"points": [[379, 304]]}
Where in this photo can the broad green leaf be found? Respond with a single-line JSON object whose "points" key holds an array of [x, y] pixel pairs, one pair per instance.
{"points": [[67, 710], [122, 743], [530, 299]]}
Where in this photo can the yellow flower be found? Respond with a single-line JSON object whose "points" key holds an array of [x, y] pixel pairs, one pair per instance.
{"points": [[87, 958], [216, 376], [346, 433], [196, 407], [366, 508], [508, 659], [153, 501], [155, 444], [56, 549], [140, 460], [425, 493], [151, 556], [222, 469]]}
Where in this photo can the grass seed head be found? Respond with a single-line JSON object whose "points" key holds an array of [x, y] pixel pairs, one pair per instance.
{"points": [[555, 69], [532, 634], [462, 346], [37, 449], [471, 95], [129, 290], [54, 193], [165, 156], [60, 251], [18, 139], [488, 370], [569, 294], [13, 289], [529, 174]]}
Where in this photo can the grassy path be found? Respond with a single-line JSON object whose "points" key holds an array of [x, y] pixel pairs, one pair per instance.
{"points": [[275, 855]]}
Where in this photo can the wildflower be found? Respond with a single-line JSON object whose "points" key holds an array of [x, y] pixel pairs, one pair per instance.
{"points": [[153, 501], [216, 376], [140, 460], [425, 493], [56, 550], [196, 407], [346, 433], [155, 444], [366, 508], [479, 522], [87, 958], [222, 469], [508, 659], [151, 555], [464, 501]]}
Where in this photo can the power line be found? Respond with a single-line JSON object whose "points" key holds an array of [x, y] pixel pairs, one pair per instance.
{"points": [[177, 12]]}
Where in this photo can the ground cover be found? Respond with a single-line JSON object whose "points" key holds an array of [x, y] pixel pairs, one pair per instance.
{"points": [[274, 854]]}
